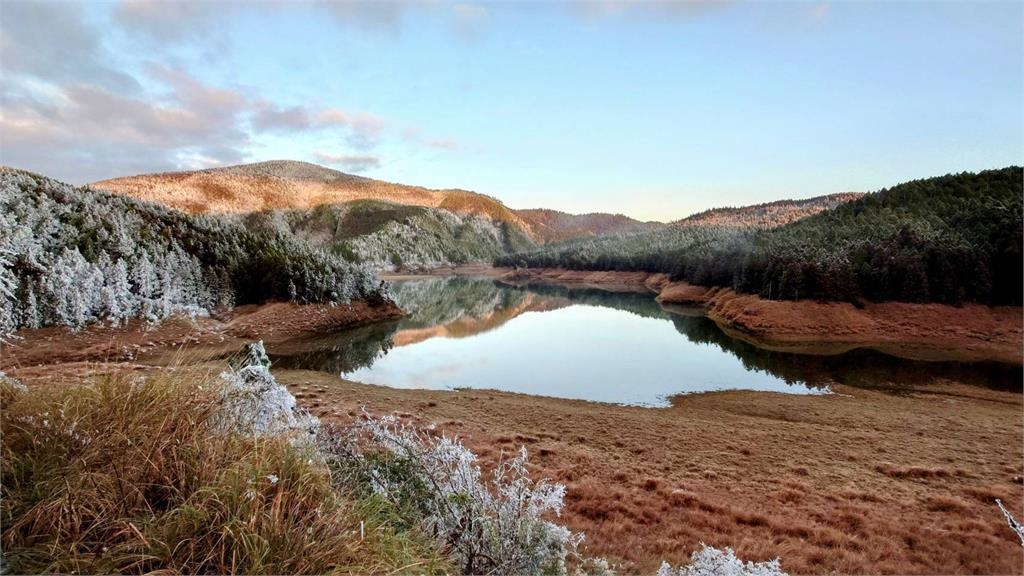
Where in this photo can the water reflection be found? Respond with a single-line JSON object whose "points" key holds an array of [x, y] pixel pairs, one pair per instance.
{"points": [[589, 344]]}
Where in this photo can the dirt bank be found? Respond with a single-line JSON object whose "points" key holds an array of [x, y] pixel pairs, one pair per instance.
{"points": [[968, 333], [270, 322], [971, 332]]}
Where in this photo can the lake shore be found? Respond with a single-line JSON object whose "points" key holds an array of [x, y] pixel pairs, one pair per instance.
{"points": [[270, 322], [968, 333]]}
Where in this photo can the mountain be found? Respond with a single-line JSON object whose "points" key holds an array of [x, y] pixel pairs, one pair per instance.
{"points": [[555, 226], [73, 256], [293, 185], [770, 214], [288, 185]]}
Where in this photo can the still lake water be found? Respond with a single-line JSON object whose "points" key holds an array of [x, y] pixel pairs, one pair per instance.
{"points": [[587, 344]]}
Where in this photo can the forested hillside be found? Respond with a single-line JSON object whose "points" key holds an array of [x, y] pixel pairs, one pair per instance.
{"points": [[652, 251], [770, 214], [392, 236], [554, 226], [72, 256], [948, 239]]}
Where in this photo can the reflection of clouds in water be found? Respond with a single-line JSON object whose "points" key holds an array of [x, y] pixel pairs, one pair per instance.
{"points": [[403, 375]]}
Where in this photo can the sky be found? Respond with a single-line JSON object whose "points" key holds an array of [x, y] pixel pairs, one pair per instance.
{"points": [[654, 110]]}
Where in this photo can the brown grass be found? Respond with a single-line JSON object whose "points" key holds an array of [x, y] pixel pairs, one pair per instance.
{"points": [[123, 476], [857, 483]]}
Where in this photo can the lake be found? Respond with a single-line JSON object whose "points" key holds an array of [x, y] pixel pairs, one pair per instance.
{"points": [[588, 344]]}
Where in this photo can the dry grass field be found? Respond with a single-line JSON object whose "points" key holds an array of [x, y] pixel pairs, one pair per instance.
{"points": [[856, 482]]}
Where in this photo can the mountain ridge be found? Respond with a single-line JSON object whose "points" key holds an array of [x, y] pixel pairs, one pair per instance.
{"points": [[768, 214], [295, 184]]}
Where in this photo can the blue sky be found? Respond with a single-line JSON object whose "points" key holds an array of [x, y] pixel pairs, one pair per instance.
{"points": [[655, 110]]}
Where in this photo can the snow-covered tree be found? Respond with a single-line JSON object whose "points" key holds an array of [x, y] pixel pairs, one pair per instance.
{"points": [[72, 256]]}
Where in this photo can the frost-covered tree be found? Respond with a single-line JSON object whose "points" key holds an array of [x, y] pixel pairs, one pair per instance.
{"points": [[9, 308], [73, 256], [119, 302]]}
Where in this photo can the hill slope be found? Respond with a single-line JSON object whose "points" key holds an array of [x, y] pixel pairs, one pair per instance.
{"points": [[392, 236], [770, 214], [288, 185], [555, 226], [292, 185]]}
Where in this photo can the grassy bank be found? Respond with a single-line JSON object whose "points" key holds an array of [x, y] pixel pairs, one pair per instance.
{"points": [[122, 475]]}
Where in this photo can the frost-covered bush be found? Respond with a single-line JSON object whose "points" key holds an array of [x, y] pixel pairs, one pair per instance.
{"points": [[484, 527], [434, 482], [255, 404], [709, 561]]}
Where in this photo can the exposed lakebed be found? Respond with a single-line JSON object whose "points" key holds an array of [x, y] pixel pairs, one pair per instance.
{"points": [[588, 344]]}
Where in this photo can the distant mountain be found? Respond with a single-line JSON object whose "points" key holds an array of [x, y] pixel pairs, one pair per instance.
{"points": [[287, 185], [555, 226], [768, 215]]}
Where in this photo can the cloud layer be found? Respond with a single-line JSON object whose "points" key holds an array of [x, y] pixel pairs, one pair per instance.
{"points": [[73, 108]]}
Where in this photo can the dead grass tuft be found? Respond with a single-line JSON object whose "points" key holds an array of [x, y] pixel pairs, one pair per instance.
{"points": [[914, 472], [943, 503]]}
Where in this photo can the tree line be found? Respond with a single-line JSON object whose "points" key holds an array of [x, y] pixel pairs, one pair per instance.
{"points": [[950, 239]]}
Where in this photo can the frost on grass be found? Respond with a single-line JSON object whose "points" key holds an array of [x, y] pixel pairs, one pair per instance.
{"points": [[8, 382], [1014, 525], [709, 561], [256, 404], [484, 527]]}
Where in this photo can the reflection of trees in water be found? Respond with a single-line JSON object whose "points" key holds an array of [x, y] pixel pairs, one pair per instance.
{"points": [[439, 301], [861, 367], [337, 353], [639, 303], [443, 301]]}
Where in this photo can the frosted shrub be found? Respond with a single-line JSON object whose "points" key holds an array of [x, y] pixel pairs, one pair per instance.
{"points": [[709, 561], [256, 404], [494, 527], [1014, 525]]}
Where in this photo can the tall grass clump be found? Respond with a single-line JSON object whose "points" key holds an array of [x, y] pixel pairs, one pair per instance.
{"points": [[131, 475]]}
